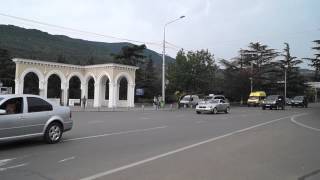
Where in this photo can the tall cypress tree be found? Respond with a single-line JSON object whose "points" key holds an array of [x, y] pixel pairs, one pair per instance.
{"points": [[7, 68]]}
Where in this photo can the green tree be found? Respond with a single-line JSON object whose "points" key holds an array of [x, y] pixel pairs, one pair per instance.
{"points": [[7, 68], [131, 55], [236, 84], [150, 81], [295, 82], [315, 62], [258, 58], [61, 59], [193, 72]]}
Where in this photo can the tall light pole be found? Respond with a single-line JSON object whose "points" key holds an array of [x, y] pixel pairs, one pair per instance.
{"points": [[285, 81], [164, 59]]}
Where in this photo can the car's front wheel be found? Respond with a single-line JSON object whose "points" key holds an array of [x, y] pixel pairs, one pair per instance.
{"points": [[53, 133]]}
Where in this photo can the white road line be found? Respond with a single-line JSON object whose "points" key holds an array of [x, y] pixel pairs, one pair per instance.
{"points": [[303, 125], [66, 159], [5, 161], [108, 172], [12, 167], [116, 133]]}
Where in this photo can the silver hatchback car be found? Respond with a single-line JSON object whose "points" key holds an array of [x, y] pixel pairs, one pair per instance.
{"points": [[24, 116]]}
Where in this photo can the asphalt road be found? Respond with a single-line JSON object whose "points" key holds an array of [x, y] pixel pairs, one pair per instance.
{"points": [[248, 143]]}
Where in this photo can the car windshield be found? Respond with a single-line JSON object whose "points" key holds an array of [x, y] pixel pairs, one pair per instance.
{"points": [[253, 97], [186, 98], [298, 98], [273, 97]]}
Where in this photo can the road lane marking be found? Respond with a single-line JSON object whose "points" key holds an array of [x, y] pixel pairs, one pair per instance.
{"points": [[5, 161], [303, 125], [12, 167], [116, 133], [66, 159], [122, 168]]}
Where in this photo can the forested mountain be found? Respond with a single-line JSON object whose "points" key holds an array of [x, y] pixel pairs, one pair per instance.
{"points": [[35, 44]]}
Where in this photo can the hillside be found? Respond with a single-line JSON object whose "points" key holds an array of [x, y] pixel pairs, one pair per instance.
{"points": [[35, 44]]}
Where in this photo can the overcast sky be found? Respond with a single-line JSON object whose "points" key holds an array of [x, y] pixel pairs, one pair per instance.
{"points": [[221, 26]]}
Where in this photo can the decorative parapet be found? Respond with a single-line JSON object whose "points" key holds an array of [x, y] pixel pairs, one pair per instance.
{"points": [[70, 66]]}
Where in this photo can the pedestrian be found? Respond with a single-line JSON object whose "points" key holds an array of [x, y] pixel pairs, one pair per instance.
{"points": [[158, 101], [155, 102], [84, 101]]}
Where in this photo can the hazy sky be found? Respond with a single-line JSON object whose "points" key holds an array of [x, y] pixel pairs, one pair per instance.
{"points": [[221, 26]]}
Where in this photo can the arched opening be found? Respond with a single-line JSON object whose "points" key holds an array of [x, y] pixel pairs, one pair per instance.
{"points": [[31, 84], [123, 89], [104, 90], [54, 87], [75, 90], [91, 88]]}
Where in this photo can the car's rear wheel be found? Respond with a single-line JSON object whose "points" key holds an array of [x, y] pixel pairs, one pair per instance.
{"points": [[214, 111], [227, 110], [53, 133]]}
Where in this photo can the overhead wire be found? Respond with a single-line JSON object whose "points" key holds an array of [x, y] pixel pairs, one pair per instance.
{"points": [[78, 30]]}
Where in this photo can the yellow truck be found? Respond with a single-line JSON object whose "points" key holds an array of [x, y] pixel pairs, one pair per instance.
{"points": [[256, 98]]}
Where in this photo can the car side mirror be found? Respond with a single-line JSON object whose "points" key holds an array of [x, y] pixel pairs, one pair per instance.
{"points": [[3, 112]]}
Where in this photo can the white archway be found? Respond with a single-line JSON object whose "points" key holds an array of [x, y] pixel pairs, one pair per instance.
{"points": [[129, 102], [23, 75]]}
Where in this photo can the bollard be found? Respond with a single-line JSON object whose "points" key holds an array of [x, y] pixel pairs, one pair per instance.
{"points": [[171, 107], [184, 106], [142, 107]]}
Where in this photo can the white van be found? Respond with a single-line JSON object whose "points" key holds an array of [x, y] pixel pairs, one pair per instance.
{"points": [[189, 101]]}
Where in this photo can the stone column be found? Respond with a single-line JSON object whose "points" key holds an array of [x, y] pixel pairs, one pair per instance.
{"points": [[96, 101], [42, 88], [112, 97], [84, 88], [131, 95], [45, 89], [64, 93], [18, 86]]}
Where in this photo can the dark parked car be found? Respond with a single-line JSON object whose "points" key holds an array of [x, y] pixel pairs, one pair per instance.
{"points": [[274, 102], [301, 101]]}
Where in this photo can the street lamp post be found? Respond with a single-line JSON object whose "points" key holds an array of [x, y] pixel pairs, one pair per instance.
{"points": [[164, 58], [285, 81]]}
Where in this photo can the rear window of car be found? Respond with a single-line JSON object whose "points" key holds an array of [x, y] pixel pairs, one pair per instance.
{"points": [[38, 105], [298, 98], [272, 97]]}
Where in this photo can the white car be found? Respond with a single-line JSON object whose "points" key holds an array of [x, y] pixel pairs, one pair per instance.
{"points": [[213, 106]]}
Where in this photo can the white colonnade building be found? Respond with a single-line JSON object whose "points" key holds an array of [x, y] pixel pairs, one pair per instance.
{"points": [[106, 82]]}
